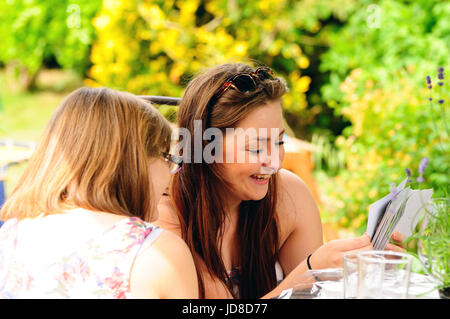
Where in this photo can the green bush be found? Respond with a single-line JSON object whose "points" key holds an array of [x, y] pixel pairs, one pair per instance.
{"points": [[377, 65], [155, 47], [36, 31]]}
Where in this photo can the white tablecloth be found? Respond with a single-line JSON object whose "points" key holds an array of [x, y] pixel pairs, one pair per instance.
{"points": [[328, 284]]}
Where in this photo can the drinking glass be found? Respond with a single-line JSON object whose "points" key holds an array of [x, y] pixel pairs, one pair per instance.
{"points": [[350, 274], [383, 275], [431, 248]]}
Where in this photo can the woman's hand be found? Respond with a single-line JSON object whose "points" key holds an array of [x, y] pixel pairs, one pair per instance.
{"points": [[397, 245], [330, 254]]}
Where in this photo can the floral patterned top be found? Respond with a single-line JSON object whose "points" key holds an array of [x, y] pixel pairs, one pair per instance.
{"points": [[99, 268]]}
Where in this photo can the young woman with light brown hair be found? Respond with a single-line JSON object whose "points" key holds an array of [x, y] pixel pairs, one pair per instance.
{"points": [[252, 227], [78, 222]]}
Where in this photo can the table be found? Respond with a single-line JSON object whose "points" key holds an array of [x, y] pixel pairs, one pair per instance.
{"points": [[328, 284]]}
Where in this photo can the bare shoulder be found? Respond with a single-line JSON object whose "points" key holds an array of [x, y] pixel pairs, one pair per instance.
{"points": [[295, 202], [294, 195], [168, 218], [165, 270], [171, 244], [289, 179]]}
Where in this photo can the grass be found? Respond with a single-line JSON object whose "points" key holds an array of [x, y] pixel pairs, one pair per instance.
{"points": [[23, 115]]}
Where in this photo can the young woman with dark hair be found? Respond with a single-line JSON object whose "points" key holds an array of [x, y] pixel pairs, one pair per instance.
{"points": [[252, 227]]}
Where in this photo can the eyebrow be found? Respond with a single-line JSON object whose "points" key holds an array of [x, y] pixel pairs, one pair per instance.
{"points": [[268, 138]]}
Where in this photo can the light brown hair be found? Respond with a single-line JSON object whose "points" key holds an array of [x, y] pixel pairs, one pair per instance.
{"points": [[197, 191], [93, 154]]}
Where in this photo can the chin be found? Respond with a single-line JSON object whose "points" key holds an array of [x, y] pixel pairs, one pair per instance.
{"points": [[258, 198], [257, 195], [249, 191]]}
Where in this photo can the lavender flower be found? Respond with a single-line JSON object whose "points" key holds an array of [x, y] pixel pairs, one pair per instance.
{"points": [[440, 105], [441, 76], [394, 192], [408, 173], [423, 165], [429, 82]]}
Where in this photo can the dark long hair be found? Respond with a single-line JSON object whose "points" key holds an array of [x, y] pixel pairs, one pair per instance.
{"points": [[198, 190]]}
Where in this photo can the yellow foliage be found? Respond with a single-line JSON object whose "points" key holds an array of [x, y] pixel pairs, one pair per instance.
{"points": [[264, 6], [149, 47], [393, 176], [373, 193], [112, 5], [302, 62], [101, 22], [358, 221]]}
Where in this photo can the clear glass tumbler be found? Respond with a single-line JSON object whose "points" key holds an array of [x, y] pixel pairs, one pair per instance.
{"points": [[383, 275], [350, 275]]}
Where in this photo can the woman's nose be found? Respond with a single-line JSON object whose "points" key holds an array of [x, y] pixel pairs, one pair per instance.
{"points": [[272, 161]]}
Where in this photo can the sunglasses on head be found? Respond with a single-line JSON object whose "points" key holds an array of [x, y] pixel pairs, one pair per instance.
{"points": [[245, 82], [242, 82]]}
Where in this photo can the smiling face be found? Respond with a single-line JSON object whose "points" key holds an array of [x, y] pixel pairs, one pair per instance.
{"points": [[254, 152]]}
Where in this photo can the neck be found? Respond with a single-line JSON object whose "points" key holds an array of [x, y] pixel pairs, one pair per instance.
{"points": [[232, 206]]}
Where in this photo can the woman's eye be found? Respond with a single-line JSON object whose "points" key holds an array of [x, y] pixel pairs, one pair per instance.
{"points": [[255, 151], [279, 143]]}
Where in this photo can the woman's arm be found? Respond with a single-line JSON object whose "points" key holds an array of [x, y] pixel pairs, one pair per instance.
{"points": [[326, 256], [168, 219], [301, 234], [299, 221]]}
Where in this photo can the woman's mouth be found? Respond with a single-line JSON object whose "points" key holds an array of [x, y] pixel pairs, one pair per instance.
{"points": [[260, 179]]}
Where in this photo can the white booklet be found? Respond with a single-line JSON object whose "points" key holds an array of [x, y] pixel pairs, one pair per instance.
{"points": [[400, 212]]}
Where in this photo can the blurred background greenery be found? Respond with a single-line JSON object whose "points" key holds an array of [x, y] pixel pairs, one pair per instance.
{"points": [[355, 68]]}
